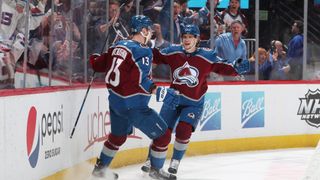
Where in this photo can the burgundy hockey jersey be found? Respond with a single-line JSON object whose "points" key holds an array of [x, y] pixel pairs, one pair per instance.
{"points": [[190, 71]]}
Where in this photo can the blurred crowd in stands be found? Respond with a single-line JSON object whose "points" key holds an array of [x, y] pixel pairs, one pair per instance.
{"points": [[62, 33]]}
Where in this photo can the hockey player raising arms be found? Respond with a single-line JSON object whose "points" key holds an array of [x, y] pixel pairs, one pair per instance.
{"points": [[190, 67], [127, 65]]}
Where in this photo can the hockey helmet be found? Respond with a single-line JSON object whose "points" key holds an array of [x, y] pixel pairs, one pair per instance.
{"points": [[190, 29], [139, 22]]}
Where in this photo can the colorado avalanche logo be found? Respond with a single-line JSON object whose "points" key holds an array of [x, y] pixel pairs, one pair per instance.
{"points": [[186, 75]]}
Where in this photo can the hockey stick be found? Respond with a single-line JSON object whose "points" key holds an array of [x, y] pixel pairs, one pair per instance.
{"points": [[89, 86], [84, 100], [86, 95]]}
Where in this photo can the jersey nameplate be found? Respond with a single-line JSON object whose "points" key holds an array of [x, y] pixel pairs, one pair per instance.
{"points": [[119, 52]]}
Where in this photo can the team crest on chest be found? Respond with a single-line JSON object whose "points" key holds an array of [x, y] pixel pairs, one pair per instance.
{"points": [[186, 74]]}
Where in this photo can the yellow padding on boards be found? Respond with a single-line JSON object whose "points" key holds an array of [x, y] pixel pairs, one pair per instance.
{"points": [[135, 156]]}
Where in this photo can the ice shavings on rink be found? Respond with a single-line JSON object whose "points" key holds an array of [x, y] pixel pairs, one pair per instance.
{"points": [[284, 164]]}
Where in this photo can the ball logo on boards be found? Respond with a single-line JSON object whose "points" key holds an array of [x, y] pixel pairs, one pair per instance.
{"points": [[33, 138], [252, 109], [309, 108], [41, 135], [211, 115]]}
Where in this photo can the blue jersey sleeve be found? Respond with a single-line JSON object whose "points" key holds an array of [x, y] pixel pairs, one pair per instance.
{"points": [[218, 65], [146, 81], [159, 56], [143, 60]]}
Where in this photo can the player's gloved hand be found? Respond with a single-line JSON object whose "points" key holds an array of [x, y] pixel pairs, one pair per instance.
{"points": [[168, 96], [92, 58], [241, 65]]}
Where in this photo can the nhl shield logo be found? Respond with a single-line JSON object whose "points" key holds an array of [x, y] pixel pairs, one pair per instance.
{"points": [[309, 108]]}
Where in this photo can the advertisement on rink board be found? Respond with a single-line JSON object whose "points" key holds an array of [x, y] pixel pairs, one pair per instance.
{"points": [[37, 126], [252, 109], [44, 129], [309, 108], [211, 115], [34, 134], [256, 110], [98, 123]]}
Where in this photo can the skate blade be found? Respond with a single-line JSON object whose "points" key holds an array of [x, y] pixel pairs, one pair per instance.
{"points": [[108, 176], [172, 171], [145, 169]]}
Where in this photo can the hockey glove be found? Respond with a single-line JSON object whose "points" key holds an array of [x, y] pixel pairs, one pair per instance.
{"points": [[241, 66], [168, 96], [92, 58]]}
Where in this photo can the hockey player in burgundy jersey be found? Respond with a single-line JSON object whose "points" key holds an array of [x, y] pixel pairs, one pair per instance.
{"points": [[127, 65], [190, 67]]}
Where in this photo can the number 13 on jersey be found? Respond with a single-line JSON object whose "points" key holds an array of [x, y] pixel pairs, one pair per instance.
{"points": [[116, 62]]}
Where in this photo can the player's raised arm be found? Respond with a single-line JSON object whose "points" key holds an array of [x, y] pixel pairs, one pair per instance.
{"points": [[242, 66], [237, 67], [159, 56], [99, 62]]}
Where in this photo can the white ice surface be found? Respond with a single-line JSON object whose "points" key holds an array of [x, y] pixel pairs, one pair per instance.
{"points": [[285, 164]]}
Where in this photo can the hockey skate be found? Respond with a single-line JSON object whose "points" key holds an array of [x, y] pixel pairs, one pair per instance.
{"points": [[174, 165], [160, 174], [146, 167], [102, 171]]}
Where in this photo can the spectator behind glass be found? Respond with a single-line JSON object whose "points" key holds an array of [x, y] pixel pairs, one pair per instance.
{"points": [[126, 13], [6, 69], [231, 46], [152, 8], [295, 51], [66, 38], [159, 41], [38, 56], [164, 20], [185, 11], [204, 21], [160, 72], [11, 23], [264, 64], [114, 24], [12, 29], [233, 13], [94, 15], [279, 60]]}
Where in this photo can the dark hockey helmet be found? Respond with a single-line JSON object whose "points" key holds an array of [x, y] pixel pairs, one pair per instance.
{"points": [[190, 29], [139, 22]]}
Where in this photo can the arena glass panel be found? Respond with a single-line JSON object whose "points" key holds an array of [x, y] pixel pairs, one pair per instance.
{"points": [[313, 41], [275, 23]]}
